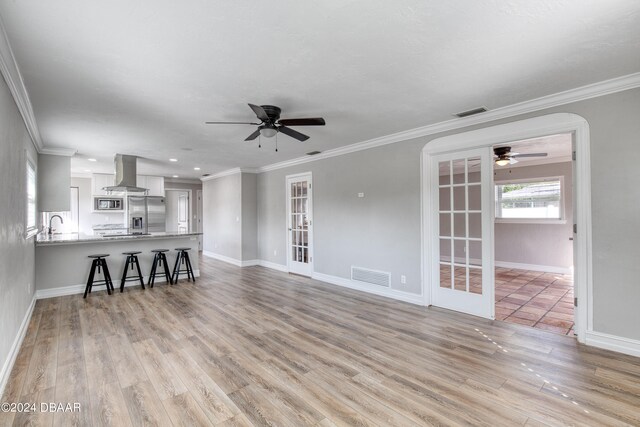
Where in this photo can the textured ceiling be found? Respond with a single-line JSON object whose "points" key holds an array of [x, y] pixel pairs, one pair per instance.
{"points": [[142, 77]]}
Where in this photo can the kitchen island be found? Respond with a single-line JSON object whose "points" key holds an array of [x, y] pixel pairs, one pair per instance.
{"points": [[62, 266]]}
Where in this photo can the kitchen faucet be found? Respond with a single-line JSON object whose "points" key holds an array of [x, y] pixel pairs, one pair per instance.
{"points": [[50, 220]]}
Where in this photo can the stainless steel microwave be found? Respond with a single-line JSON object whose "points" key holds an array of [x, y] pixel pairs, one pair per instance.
{"points": [[108, 204]]}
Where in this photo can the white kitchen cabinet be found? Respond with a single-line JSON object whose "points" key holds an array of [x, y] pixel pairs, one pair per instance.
{"points": [[101, 180], [155, 184]]}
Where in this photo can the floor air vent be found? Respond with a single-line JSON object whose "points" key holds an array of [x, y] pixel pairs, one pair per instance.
{"points": [[373, 277]]}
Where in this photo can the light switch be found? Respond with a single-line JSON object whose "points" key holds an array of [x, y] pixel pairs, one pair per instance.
{"points": [[360, 194]]}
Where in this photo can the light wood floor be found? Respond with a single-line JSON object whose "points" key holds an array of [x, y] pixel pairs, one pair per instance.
{"points": [[253, 346]]}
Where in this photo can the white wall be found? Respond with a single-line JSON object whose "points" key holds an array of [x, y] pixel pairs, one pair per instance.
{"points": [[86, 218], [17, 275], [222, 228]]}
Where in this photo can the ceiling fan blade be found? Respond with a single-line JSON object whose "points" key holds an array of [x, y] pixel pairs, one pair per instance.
{"points": [[262, 115], [529, 155], [253, 135], [293, 133], [231, 123], [513, 161], [315, 121]]}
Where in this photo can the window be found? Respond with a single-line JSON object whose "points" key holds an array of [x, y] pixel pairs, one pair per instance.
{"points": [[539, 199], [31, 225]]}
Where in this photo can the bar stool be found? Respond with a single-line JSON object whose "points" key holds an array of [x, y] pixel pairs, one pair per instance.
{"points": [[98, 262], [160, 259], [183, 259], [132, 259]]}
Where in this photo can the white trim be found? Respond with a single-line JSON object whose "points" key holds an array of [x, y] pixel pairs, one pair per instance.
{"points": [[534, 267], [194, 181], [15, 347], [228, 172], [582, 93], [223, 258], [371, 289], [273, 265], [613, 343], [11, 73], [79, 289], [302, 176], [53, 151], [530, 221], [550, 124]]}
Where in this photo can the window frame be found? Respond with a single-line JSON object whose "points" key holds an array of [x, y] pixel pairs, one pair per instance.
{"points": [[31, 230], [561, 220]]}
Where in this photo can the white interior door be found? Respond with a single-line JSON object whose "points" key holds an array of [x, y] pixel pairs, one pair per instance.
{"points": [[177, 210], [299, 225], [462, 213], [199, 218]]}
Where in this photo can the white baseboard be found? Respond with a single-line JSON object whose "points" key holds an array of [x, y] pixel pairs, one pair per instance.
{"points": [[614, 343], [79, 289], [250, 263], [15, 347], [224, 258], [517, 265], [534, 267], [371, 289], [273, 266]]}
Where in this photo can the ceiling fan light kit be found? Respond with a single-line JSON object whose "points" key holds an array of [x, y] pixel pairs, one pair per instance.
{"points": [[271, 124], [504, 156]]}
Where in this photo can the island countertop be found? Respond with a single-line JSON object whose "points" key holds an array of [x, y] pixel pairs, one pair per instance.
{"points": [[71, 238]]}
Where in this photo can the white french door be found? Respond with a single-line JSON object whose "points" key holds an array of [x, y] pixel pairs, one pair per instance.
{"points": [[461, 213], [299, 224]]}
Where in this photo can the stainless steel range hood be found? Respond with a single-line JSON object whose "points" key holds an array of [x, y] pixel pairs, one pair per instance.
{"points": [[126, 175]]}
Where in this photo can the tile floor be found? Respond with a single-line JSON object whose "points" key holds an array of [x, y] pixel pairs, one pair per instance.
{"points": [[534, 298]]}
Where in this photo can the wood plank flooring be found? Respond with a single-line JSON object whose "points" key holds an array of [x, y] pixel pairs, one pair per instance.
{"points": [[253, 346]]}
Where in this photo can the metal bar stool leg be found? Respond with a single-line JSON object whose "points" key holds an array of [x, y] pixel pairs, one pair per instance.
{"points": [[124, 273], [90, 280], [166, 269], [176, 268], [107, 276], [135, 258]]}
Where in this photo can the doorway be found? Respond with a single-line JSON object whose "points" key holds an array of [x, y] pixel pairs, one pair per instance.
{"points": [[533, 202], [177, 210], [300, 224], [199, 219], [485, 139]]}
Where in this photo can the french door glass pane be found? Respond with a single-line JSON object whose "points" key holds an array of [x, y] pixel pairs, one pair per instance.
{"points": [[445, 199], [445, 276], [445, 225], [445, 171], [475, 225], [459, 196], [458, 171], [459, 225], [460, 278], [475, 198]]}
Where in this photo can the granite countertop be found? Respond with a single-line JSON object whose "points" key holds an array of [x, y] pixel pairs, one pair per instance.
{"points": [[109, 227], [44, 239]]}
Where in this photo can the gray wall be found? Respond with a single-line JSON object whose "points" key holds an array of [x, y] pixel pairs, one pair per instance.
{"points": [[54, 179], [194, 187], [538, 244], [249, 216], [221, 202], [382, 230], [17, 277]]}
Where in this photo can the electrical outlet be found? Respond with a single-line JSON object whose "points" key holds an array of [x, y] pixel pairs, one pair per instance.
{"points": [[403, 279], [360, 194]]}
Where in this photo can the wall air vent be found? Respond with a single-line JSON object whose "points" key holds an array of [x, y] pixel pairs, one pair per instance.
{"points": [[313, 153], [472, 112], [373, 277]]}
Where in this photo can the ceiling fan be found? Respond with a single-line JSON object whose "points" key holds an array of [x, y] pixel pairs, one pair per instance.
{"points": [[504, 156], [270, 123]]}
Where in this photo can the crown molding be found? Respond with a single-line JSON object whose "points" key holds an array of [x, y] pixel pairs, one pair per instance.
{"points": [[582, 93], [11, 73], [194, 181], [58, 151], [228, 172]]}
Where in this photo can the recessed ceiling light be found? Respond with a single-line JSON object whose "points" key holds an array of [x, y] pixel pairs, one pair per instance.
{"points": [[173, 160], [186, 149], [196, 169], [92, 160], [87, 170]]}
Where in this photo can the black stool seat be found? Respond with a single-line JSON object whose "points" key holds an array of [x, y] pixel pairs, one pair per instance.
{"points": [[159, 259], [183, 260], [132, 260], [100, 263]]}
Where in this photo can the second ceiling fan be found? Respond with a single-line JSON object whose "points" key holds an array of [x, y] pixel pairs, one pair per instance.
{"points": [[271, 123], [504, 156]]}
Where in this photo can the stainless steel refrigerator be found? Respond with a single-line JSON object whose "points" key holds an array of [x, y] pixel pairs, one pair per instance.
{"points": [[146, 214]]}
